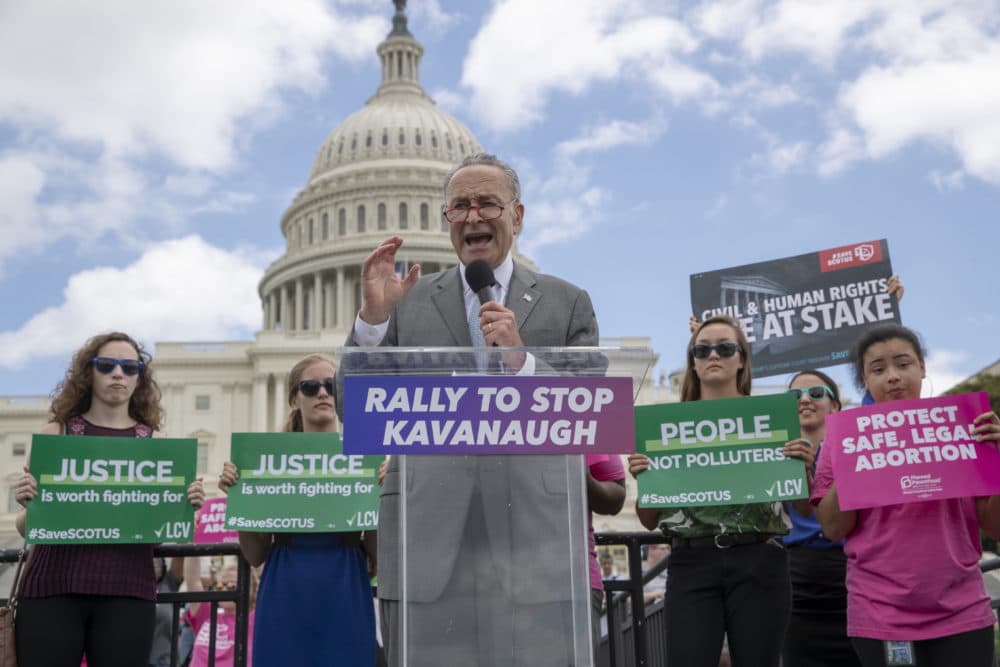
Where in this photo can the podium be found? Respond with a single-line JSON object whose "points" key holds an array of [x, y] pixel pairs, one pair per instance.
{"points": [[483, 557]]}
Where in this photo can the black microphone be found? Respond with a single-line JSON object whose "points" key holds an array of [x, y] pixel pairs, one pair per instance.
{"points": [[479, 275]]}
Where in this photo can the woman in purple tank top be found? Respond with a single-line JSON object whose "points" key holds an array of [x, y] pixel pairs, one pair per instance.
{"points": [[97, 599]]}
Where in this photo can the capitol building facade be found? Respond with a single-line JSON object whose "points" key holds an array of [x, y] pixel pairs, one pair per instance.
{"points": [[380, 172]]}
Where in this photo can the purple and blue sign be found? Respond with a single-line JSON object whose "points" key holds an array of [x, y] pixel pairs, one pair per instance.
{"points": [[481, 414]]}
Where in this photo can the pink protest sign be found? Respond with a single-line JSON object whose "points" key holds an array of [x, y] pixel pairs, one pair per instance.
{"points": [[210, 525], [908, 451]]}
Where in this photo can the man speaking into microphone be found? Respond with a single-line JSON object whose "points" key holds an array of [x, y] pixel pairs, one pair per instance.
{"points": [[482, 531]]}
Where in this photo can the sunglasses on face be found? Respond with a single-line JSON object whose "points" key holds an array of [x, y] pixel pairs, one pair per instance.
{"points": [[105, 365], [225, 586], [815, 393], [725, 350], [310, 388]]}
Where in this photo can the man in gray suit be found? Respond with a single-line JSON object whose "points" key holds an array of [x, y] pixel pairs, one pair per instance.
{"points": [[486, 536]]}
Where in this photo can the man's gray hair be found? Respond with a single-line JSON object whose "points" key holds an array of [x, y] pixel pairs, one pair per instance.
{"points": [[489, 160]]}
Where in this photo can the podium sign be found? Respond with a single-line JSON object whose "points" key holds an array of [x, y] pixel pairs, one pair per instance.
{"points": [[491, 414], [483, 558]]}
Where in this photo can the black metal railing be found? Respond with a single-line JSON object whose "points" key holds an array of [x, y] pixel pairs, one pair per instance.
{"points": [[636, 636], [644, 629], [241, 596]]}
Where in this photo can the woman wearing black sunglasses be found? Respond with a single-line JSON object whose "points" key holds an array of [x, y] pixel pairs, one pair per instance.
{"points": [[728, 570], [817, 628], [96, 598], [315, 604]]}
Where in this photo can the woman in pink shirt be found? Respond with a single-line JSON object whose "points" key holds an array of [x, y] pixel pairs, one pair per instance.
{"points": [[914, 592], [200, 616]]}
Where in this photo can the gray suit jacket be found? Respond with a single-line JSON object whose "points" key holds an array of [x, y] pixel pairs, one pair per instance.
{"points": [[524, 497]]}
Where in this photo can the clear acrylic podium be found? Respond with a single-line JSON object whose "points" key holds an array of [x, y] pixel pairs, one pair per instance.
{"points": [[483, 559]]}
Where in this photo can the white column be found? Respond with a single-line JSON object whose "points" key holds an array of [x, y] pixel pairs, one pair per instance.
{"points": [[272, 305], [259, 417], [316, 319], [285, 325], [280, 401], [176, 406], [341, 310], [299, 300], [329, 321]]}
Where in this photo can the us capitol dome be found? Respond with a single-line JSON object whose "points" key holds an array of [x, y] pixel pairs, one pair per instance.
{"points": [[380, 172]]}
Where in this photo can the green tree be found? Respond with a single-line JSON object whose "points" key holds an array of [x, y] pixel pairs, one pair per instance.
{"points": [[991, 385], [982, 382]]}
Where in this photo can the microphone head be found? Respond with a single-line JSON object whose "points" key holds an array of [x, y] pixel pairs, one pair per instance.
{"points": [[479, 275]]}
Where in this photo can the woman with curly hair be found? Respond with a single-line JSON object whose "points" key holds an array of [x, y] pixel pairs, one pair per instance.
{"points": [[94, 599]]}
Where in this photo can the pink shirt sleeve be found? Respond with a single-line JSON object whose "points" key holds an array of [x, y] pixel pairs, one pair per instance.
{"points": [[605, 468], [201, 616], [823, 478]]}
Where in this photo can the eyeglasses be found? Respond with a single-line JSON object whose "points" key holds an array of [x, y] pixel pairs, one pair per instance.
{"points": [[725, 350], [487, 213], [225, 586], [815, 393], [311, 387], [105, 365]]}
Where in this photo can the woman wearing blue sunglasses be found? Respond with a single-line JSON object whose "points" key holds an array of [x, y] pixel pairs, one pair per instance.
{"points": [[817, 628], [97, 599]]}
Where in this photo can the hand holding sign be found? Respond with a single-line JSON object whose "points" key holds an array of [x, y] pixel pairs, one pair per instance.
{"points": [[196, 493], [987, 427], [801, 449], [229, 476], [26, 488], [637, 463]]}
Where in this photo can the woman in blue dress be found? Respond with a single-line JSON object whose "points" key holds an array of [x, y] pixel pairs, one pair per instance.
{"points": [[314, 606]]}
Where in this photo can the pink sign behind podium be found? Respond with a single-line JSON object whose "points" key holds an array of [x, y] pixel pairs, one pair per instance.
{"points": [[210, 524]]}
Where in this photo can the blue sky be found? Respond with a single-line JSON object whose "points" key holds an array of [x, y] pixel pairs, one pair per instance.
{"points": [[147, 152]]}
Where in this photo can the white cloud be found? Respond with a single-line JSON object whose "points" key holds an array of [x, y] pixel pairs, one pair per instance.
{"points": [[612, 135], [538, 48], [174, 79], [840, 150], [950, 180], [449, 100], [184, 289], [953, 103], [21, 182], [123, 112], [720, 204], [429, 13], [49, 196], [945, 369], [560, 219], [760, 93], [783, 157], [816, 29]]}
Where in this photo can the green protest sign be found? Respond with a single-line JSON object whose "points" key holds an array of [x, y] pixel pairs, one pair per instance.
{"points": [[302, 483], [721, 452], [95, 490]]}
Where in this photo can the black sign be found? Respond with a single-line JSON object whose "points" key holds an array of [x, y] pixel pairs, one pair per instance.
{"points": [[805, 311]]}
